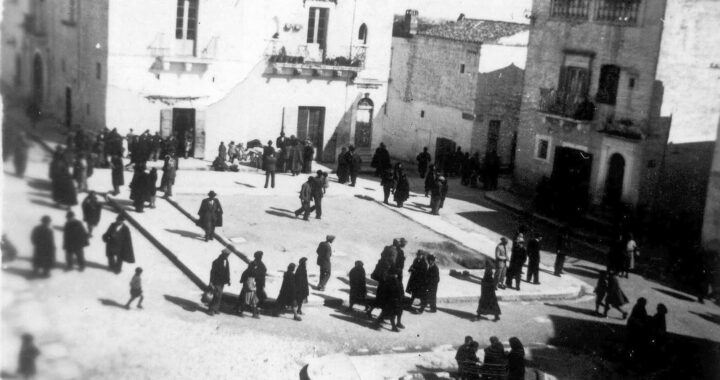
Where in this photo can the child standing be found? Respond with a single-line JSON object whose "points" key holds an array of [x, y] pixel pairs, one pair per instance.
{"points": [[136, 289]]}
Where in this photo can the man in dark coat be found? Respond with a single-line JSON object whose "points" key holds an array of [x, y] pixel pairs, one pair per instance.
{"points": [[562, 250], [517, 260], [391, 302], [418, 272], [259, 272], [358, 285], [381, 160], [219, 277], [270, 162], [43, 242], [306, 196], [355, 162], [399, 244], [267, 152], [281, 145], [402, 189], [342, 166], [156, 146], [436, 195], [308, 154], [92, 209], [317, 194], [118, 244], [324, 252], [423, 160], [75, 239], [302, 288], [533, 252], [388, 184], [169, 173], [288, 293], [117, 170], [432, 280], [210, 215], [138, 187]]}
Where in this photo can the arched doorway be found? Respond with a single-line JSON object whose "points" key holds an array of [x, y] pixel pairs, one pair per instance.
{"points": [[68, 107], [38, 81], [614, 180], [363, 123]]}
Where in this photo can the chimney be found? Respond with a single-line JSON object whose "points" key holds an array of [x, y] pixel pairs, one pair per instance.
{"points": [[461, 17], [411, 21]]}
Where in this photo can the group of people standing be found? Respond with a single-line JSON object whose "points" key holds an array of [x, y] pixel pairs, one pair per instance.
{"points": [[509, 268], [349, 163]]}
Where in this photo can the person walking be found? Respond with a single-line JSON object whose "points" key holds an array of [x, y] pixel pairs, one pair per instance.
{"points": [[631, 254], [296, 157], [317, 194], [138, 187], [388, 184], [430, 179], [342, 166], [488, 303], [423, 160], [358, 285], [66, 194], [136, 289], [219, 277], [563, 249], [615, 297], [501, 259], [260, 271], [391, 303], [355, 163], [402, 189], [43, 241], [302, 288], [92, 209], [306, 196], [270, 163], [169, 173], [418, 272], [324, 252], [210, 215], [248, 294], [308, 154], [533, 253], [118, 245], [436, 195], [287, 296], [117, 172], [638, 332], [151, 187], [431, 285], [75, 239], [517, 260]]}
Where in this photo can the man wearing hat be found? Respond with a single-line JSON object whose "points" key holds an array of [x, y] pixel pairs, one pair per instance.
{"points": [[355, 162], [501, 259], [118, 244], [219, 277], [259, 273], [210, 215], [317, 194], [75, 239], [517, 260], [324, 251]]}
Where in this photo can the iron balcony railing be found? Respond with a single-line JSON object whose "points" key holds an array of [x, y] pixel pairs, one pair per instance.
{"points": [[311, 55], [572, 106]]}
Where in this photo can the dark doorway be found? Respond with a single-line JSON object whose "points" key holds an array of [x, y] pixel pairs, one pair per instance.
{"points": [[311, 126], [363, 123], [444, 150], [614, 180], [493, 136], [571, 180], [183, 127], [68, 107], [38, 81]]}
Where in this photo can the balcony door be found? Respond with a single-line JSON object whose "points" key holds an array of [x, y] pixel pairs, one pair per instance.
{"points": [[317, 27], [311, 126], [186, 26]]}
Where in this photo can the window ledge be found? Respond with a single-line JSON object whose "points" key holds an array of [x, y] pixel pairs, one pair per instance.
{"points": [[70, 23]]}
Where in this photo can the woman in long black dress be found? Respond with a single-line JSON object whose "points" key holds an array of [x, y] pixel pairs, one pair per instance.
{"points": [[402, 189], [418, 271], [287, 296], [615, 297], [302, 289], [488, 304], [138, 187]]}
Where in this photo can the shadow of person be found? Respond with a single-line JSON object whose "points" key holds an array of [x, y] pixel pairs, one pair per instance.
{"points": [[27, 274], [187, 234], [675, 294], [458, 313], [710, 317], [468, 278], [281, 214], [574, 309], [111, 303]]}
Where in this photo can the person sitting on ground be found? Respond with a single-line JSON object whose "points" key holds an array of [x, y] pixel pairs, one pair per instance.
{"points": [[219, 164], [468, 361], [495, 358]]}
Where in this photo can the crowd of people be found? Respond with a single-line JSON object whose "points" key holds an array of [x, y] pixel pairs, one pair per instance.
{"points": [[497, 364]]}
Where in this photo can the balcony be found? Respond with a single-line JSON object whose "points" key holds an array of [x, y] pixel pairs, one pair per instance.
{"points": [[624, 127], [570, 9], [310, 59], [174, 55], [624, 12], [565, 111]]}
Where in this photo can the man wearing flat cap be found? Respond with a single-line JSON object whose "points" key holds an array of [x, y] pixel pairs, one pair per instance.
{"points": [[324, 251], [210, 215]]}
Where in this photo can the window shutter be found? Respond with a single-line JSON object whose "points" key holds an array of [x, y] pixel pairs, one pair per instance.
{"points": [[302, 123], [199, 134], [166, 119]]}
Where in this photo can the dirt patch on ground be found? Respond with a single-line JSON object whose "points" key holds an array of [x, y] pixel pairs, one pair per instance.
{"points": [[450, 254]]}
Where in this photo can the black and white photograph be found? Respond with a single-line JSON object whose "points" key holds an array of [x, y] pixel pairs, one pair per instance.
{"points": [[360, 189]]}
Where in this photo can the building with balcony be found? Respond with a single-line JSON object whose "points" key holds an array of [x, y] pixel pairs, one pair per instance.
{"points": [[454, 84], [601, 83], [211, 70]]}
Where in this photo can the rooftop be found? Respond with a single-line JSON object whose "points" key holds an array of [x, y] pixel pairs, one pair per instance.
{"points": [[473, 30]]}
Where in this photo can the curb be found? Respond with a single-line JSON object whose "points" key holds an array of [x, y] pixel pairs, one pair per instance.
{"points": [[165, 251]]}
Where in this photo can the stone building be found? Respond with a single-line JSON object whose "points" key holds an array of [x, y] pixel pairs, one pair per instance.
{"points": [[215, 70], [711, 224], [455, 84], [594, 122]]}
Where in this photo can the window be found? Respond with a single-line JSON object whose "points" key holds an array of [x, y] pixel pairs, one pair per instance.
{"points": [[87, 108], [542, 147], [462, 68], [186, 20], [62, 65], [317, 26], [98, 70], [422, 113], [631, 83], [70, 12], [573, 85], [619, 11], [577, 9], [608, 86], [363, 33]]}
